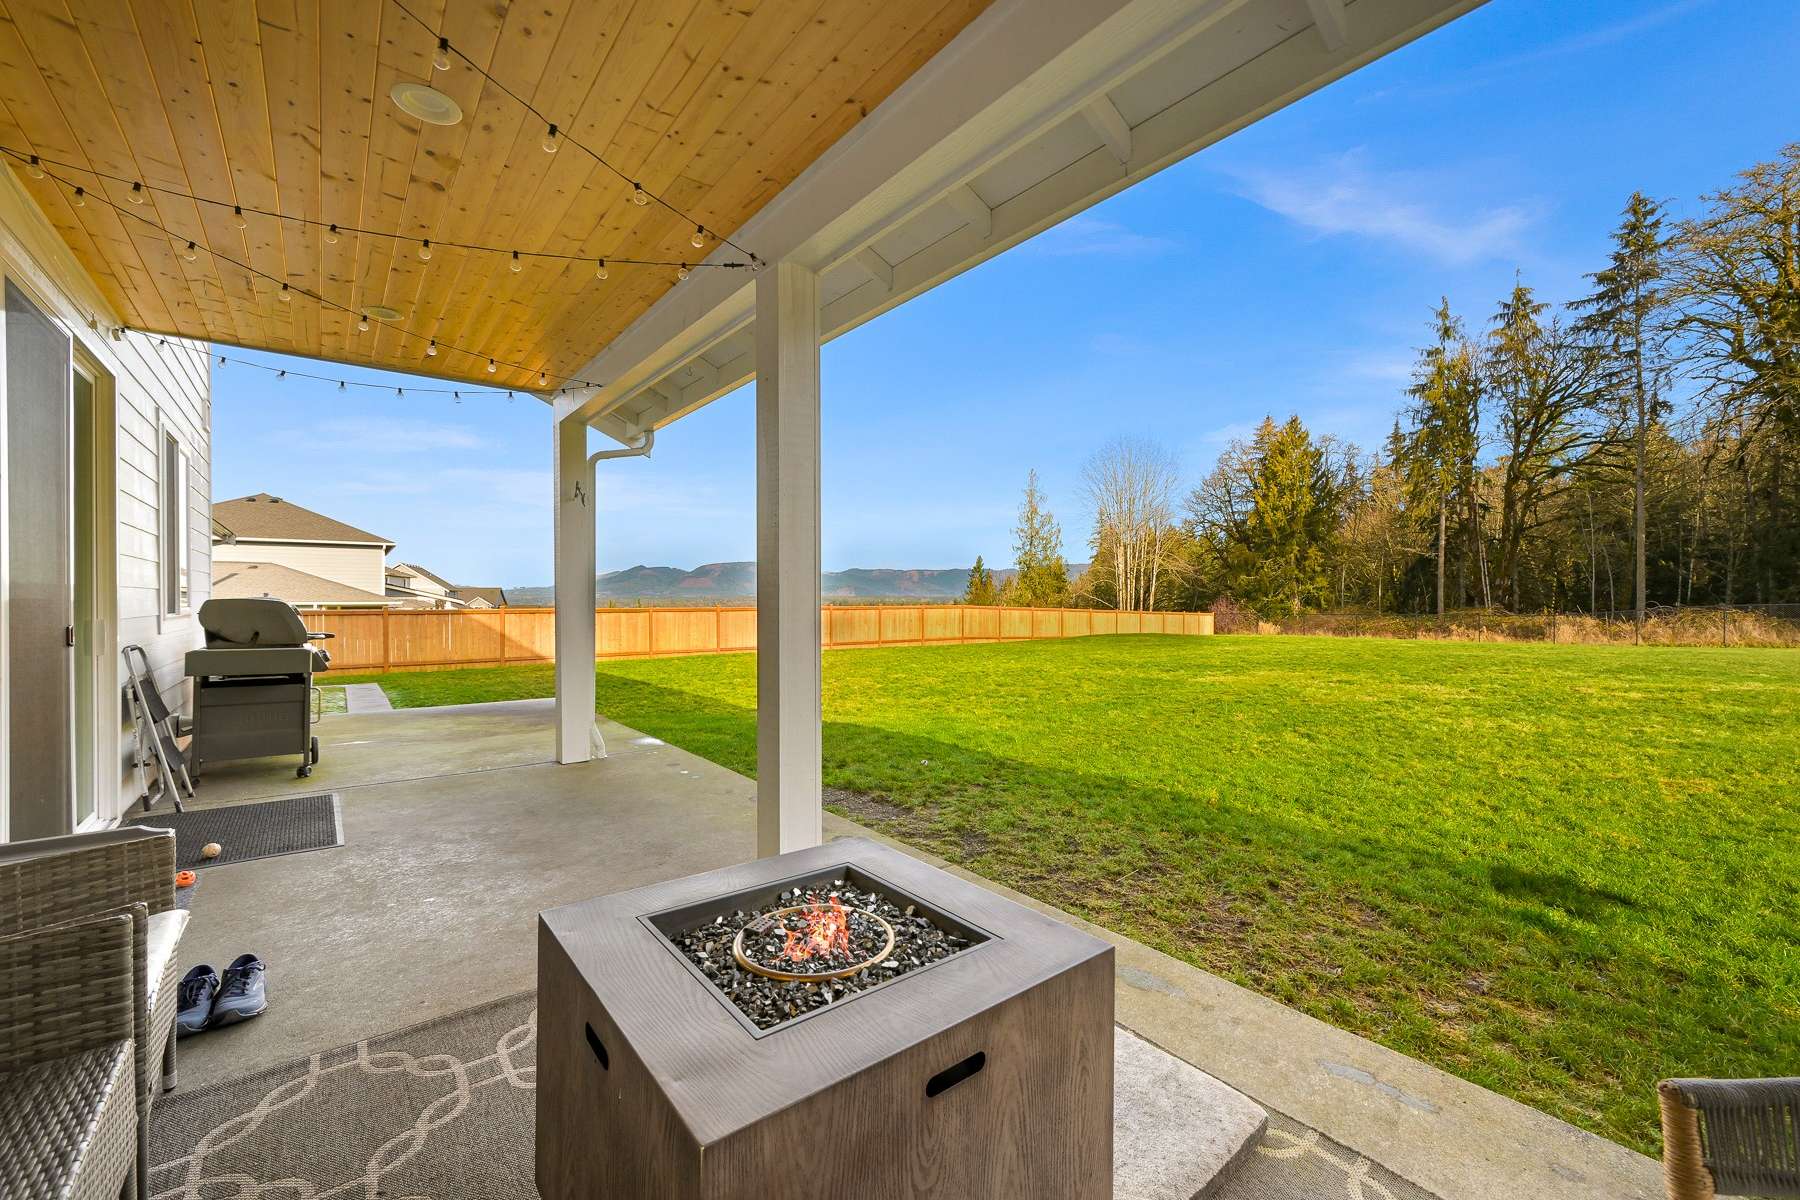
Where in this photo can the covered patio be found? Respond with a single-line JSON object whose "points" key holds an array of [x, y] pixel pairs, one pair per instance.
{"points": [[459, 828], [625, 211]]}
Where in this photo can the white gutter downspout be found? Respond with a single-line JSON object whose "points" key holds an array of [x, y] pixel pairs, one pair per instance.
{"points": [[640, 449]]}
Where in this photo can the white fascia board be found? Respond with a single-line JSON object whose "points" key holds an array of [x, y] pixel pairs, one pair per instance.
{"points": [[1018, 72]]}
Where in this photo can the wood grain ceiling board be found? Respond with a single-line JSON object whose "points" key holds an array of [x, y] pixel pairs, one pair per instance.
{"points": [[283, 105]]}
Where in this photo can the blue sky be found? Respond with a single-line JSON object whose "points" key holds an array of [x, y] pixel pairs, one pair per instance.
{"points": [[1289, 269]]}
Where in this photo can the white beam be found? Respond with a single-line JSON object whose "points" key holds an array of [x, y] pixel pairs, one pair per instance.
{"points": [[577, 734], [973, 209], [1103, 118], [788, 797], [1332, 21], [875, 267]]}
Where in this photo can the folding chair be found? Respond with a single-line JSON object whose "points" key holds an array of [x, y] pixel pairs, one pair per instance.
{"points": [[158, 729]]}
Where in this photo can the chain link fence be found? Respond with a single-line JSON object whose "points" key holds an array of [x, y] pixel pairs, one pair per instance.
{"points": [[1688, 625]]}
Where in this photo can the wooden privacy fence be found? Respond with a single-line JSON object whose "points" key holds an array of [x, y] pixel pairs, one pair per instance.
{"points": [[420, 639]]}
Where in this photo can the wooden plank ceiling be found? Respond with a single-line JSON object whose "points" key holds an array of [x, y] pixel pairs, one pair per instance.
{"points": [[283, 105]]}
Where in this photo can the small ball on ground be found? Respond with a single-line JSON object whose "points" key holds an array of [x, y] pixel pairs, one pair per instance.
{"points": [[211, 850]]}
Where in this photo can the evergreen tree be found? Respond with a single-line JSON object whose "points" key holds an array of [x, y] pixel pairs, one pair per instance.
{"points": [[1292, 519], [1446, 420], [1625, 314], [1043, 578], [981, 585]]}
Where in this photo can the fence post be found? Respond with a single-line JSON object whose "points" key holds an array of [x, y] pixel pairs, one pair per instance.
{"points": [[718, 629], [921, 624], [387, 642]]}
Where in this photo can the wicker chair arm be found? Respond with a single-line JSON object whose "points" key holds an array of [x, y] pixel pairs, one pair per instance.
{"points": [[54, 879], [1734, 1137], [66, 989]]}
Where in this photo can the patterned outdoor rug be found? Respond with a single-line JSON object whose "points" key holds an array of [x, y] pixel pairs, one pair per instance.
{"points": [[247, 831], [445, 1111]]}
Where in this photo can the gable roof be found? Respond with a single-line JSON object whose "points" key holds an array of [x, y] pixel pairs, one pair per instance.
{"points": [[493, 595], [263, 517], [415, 569], [235, 580]]}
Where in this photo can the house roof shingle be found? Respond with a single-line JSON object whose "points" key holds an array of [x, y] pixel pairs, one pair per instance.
{"points": [[493, 595], [236, 580], [263, 517], [421, 572]]}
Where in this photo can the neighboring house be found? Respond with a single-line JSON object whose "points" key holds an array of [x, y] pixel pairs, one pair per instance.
{"points": [[267, 529], [415, 587], [257, 579], [105, 450], [483, 597]]}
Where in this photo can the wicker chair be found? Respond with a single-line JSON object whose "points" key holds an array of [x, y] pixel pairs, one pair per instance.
{"points": [[68, 1061], [131, 870], [1730, 1137]]}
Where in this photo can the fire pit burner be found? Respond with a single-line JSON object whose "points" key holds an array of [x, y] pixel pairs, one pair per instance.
{"points": [[815, 938], [817, 941]]}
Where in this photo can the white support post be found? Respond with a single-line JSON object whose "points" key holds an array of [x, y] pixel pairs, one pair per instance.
{"points": [[788, 799], [577, 733]]}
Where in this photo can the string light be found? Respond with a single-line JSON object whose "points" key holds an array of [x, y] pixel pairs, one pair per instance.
{"points": [[425, 250], [543, 379], [80, 197], [341, 383], [441, 59], [639, 196], [600, 270], [332, 231], [550, 143], [683, 272], [431, 348], [517, 266], [128, 211], [136, 195], [284, 296], [362, 324], [699, 238], [191, 253]]}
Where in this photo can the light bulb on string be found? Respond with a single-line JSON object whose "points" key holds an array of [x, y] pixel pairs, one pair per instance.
{"points": [[221, 360], [551, 145], [699, 238], [683, 272], [399, 391], [238, 218], [600, 270], [492, 366], [425, 250], [441, 59], [190, 253], [517, 263], [34, 168], [362, 324], [431, 348], [137, 193], [80, 198], [340, 385], [543, 379], [331, 235], [281, 374], [284, 296], [639, 196]]}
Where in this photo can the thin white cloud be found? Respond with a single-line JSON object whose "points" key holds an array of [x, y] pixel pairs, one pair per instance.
{"points": [[1092, 235], [1341, 196]]}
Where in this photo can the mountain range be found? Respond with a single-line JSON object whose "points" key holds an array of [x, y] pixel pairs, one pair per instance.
{"points": [[719, 582]]}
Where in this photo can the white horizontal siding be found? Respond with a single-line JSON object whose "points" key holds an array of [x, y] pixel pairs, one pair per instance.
{"points": [[159, 384], [358, 566]]}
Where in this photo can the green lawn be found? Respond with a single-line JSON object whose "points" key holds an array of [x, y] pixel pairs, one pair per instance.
{"points": [[1561, 872]]}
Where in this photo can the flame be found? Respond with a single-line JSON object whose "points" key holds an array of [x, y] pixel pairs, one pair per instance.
{"points": [[826, 929]]}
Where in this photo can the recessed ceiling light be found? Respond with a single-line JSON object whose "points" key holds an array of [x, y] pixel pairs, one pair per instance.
{"points": [[383, 312], [425, 102]]}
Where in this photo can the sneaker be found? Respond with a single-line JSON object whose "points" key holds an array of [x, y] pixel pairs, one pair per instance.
{"points": [[194, 1000], [243, 993]]}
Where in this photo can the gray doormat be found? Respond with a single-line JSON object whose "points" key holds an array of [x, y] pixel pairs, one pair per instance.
{"points": [[247, 831], [447, 1109]]}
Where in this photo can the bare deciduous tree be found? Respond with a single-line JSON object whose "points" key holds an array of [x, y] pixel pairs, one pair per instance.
{"points": [[1131, 486]]}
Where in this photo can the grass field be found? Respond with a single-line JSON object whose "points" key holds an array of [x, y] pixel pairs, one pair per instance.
{"points": [[1561, 872]]}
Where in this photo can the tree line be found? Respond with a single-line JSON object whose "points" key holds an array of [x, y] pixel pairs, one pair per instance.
{"points": [[1637, 446]]}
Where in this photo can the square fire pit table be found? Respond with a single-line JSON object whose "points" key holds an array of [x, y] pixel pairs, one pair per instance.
{"points": [[987, 1072]]}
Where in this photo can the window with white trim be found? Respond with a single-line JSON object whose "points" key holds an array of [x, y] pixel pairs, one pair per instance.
{"points": [[173, 493]]}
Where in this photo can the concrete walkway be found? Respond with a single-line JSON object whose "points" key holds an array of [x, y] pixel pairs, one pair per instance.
{"points": [[460, 829], [366, 698]]}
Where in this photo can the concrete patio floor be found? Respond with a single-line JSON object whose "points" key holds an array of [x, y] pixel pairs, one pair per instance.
{"points": [[460, 828]]}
